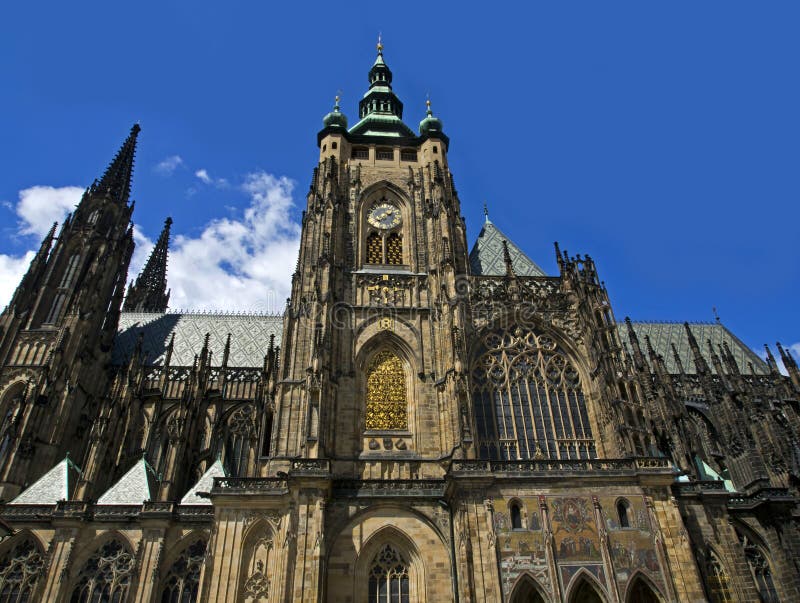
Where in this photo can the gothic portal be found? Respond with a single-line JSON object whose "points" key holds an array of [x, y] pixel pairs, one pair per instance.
{"points": [[425, 422]]}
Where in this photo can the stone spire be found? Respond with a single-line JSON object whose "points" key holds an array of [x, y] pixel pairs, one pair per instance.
{"points": [[116, 181], [150, 293]]}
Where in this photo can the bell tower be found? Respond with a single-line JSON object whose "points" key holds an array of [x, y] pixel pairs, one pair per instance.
{"points": [[56, 333], [373, 351]]}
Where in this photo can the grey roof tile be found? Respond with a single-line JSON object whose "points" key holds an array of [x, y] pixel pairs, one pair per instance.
{"points": [[249, 336], [51, 487], [136, 486], [204, 484], [662, 334], [486, 257]]}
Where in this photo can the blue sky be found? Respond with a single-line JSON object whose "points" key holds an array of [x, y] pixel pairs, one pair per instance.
{"points": [[660, 138]]}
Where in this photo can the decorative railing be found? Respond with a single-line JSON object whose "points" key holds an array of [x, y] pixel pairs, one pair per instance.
{"points": [[699, 487], [311, 467], [778, 495], [377, 488], [545, 466], [250, 485], [84, 511]]}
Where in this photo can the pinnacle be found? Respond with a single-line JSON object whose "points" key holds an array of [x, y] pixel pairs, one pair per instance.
{"points": [[149, 293], [116, 181]]}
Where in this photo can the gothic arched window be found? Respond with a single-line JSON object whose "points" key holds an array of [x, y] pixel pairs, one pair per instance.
{"points": [[759, 569], [394, 249], [183, 579], [719, 589], [374, 249], [387, 407], [622, 513], [239, 437], [20, 570], [529, 403], [10, 408], [388, 577], [258, 568], [516, 516], [106, 576]]}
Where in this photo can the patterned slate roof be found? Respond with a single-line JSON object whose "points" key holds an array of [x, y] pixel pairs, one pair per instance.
{"points": [[486, 257], [136, 486], [662, 334], [204, 484], [249, 336], [51, 487]]}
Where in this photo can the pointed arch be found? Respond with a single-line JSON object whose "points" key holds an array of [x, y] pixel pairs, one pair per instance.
{"points": [[21, 568], [717, 578], [529, 396], [11, 406], [527, 590], [258, 563], [758, 561], [236, 436], [182, 579], [584, 588], [642, 590], [389, 565], [107, 574]]}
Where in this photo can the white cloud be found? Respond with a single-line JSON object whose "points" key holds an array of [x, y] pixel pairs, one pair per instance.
{"points": [[11, 271], [205, 178], [40, 206], [246, 263], [168, 165], [240, 263]]}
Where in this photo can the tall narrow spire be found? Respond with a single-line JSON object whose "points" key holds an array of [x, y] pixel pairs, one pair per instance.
{"points": [[116, 181], [150, 294]]}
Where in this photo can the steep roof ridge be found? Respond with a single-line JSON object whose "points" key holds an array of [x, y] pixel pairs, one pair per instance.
{"points": [[486, 257]]}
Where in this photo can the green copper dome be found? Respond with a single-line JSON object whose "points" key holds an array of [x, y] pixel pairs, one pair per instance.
{"points": [[430, 125], [335, 118]]}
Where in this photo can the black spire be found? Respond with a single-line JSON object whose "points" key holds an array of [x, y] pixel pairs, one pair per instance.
{"points": [[116, 181], [150, 294]]}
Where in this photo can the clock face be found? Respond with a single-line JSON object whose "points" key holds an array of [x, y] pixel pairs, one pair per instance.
{"points": [[384, 216]]}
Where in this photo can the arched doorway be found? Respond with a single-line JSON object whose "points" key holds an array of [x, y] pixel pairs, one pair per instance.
{"points": [[640, 591], [526, 591], [585, 591]]}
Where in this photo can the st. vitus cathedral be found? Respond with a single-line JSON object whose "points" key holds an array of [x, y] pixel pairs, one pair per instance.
{"points": [[422, 423]]}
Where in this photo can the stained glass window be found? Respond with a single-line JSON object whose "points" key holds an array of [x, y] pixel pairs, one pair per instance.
{"points": [[529, 403], [386, 393], [19, 572], [106, 576], [183, 579], [394, 249], [388, 578], [374, 249]]}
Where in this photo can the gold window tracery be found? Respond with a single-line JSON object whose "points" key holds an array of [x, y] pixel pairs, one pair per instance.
{"points": [[374, 249], [529, 403], [387, 406], [394, 249]]}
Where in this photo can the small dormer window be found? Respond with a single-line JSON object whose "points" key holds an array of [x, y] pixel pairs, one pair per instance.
{"points": [[435, 150]]}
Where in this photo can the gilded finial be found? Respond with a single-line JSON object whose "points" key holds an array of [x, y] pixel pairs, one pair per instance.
{"points": [[380, 44], [486, 211], [428, 105]]}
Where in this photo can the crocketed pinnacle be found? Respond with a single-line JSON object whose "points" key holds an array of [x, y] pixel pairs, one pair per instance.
{"points": [[150, 294], [116, 181]]}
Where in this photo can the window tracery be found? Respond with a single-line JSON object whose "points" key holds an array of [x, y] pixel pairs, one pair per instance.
{"points": [[394, 249], [760, 570], [718, 583], [183, 579], [387, 407], [239, 437], [106, 576], [19, 572], [257, 581], [388, 577], [529, 403]]}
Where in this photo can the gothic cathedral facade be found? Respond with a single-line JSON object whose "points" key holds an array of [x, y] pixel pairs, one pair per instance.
{"points": [[425, 422]]}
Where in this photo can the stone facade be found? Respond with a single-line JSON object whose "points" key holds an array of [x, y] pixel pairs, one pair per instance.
{"points": [[421, 424]]}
